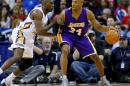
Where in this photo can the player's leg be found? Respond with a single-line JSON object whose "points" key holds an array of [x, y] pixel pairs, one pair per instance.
{"points": [[64, 58], [65, 44], [103, 81], [99, 64], [87, 49], [64, 63], [23, 64], [18, 53], [8, 80]]}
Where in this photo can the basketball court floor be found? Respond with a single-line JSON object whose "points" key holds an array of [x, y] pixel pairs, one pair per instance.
{"points": [[114, 84]]}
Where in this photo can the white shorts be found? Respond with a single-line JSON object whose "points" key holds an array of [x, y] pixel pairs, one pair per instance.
{"points": [[19, 42]]}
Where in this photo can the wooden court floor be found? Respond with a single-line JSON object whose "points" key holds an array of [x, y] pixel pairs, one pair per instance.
{"points": [[114, 84]]}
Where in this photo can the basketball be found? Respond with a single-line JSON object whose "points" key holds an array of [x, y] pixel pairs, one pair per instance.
{"points": [[112, 37]]}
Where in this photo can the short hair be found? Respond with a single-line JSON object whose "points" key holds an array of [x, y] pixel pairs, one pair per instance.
{"points": [[112, 18]]}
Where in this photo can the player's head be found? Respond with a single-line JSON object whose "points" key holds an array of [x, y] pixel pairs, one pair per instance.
{"points": [[77, 4], [47, 4]]}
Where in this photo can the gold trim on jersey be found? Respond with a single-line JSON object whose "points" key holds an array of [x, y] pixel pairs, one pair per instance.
{"points": [[26, 26], [95, 51], [20, 38], [59, 38]]}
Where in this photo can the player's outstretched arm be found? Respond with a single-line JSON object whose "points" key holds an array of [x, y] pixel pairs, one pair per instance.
{"points": [[96, 24], [41, 29]]}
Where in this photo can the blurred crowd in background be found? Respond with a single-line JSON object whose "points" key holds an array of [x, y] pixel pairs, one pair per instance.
{"points": [[14, 11]]}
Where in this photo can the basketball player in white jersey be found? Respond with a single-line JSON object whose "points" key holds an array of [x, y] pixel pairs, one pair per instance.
{"points": [[23, 38]]}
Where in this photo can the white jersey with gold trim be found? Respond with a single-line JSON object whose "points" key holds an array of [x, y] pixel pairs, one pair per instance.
{"points": [[23, 36]]}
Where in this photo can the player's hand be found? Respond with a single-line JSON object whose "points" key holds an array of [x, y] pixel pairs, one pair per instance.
{"points": [[112, 28]]}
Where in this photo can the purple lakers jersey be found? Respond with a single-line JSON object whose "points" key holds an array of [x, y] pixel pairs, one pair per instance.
{"points": [[73, 33], [75, 26]]}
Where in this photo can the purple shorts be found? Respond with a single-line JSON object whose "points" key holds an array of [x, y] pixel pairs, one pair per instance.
{"points": [[82, 44]]}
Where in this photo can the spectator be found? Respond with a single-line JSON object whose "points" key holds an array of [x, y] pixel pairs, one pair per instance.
{"points": [[52, 14], [103, 20], [4, 3], [120, 62], [107, 51], [128, 32], [19, 3], [45, 63], [121, 32], [111, 21], [15, 16], [119, 12], [11, 3], [125, 19], [106, 14], [94, 6], [5, 21], [22, 14], [62, 5], [105, 3], [85, 71]]}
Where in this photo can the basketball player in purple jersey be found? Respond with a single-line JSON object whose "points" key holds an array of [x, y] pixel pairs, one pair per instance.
{"points": [[74, 25]]}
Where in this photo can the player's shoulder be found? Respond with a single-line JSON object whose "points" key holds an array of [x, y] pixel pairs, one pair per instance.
{"points": [[36, 13], [37, 9]]}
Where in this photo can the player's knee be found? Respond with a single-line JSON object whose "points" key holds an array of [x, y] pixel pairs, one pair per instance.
{"points": [[16, 58], [13, 59], [95, 58], [18, 52]]}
